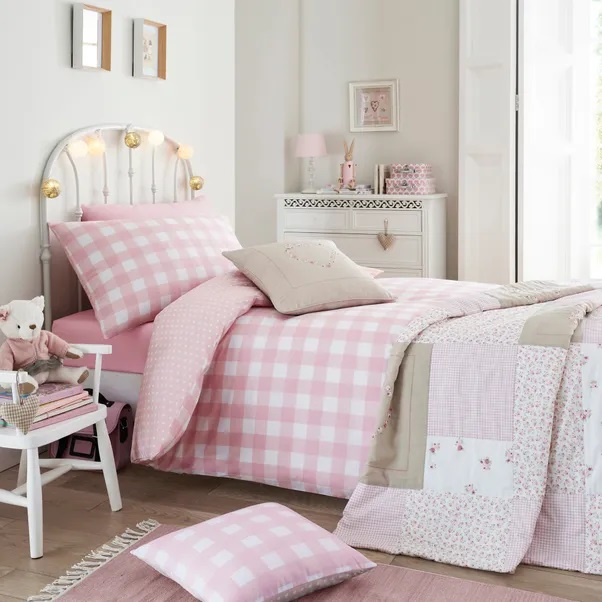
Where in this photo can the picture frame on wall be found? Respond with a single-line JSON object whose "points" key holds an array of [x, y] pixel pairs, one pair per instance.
{"points": [[149, 49], [91, 37], [374, 106]]}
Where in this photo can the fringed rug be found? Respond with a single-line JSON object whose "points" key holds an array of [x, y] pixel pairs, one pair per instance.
{"points": [[94, 561], [105, 576]]}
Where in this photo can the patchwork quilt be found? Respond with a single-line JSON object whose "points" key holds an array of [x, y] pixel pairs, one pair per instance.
{"points": [[458, 466], [459, 458]]}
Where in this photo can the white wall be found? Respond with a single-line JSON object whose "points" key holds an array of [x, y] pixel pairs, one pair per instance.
{"points": [[267, 112], [340, 41], [42, 99]]}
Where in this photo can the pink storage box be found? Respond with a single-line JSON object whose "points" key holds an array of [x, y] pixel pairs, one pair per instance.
{"points": [[410, 177], [413, 186], [406, 169]]}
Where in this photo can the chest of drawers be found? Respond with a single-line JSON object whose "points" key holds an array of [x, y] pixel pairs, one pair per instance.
{"points": [[353, 223]]}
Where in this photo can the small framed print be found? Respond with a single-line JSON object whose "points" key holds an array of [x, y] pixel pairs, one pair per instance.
{"points": [[91, 37], [150, 49], [373, 106]]}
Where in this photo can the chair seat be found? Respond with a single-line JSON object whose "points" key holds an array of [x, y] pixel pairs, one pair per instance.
{"points": [[11, 438], [30, 480]]}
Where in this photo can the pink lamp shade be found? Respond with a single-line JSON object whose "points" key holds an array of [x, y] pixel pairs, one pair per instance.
{"points": [[310, 145]]}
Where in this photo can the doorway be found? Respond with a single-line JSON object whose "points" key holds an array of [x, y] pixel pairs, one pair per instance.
{"points": [[559, 141]]}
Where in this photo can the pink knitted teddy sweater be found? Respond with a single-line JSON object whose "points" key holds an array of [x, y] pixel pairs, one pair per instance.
{"points": [[17, 353]]}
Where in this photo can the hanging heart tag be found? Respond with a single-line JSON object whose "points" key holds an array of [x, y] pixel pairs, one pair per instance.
{"points": [[22, 414], [385, 239]]}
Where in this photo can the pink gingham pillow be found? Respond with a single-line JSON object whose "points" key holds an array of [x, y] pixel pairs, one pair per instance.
{"points": [[263, 553], [131, 270]]}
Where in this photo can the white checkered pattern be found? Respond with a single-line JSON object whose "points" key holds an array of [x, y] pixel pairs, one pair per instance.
{"points": [[271, 411], [289, 556], [471, 391], [289, 401], [131, 270]]}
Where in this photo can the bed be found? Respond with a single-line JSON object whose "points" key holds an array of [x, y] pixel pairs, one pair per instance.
{"points": [[294, 402]]}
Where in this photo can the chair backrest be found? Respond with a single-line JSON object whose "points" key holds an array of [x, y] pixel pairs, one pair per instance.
{"points": [[13, 379]]}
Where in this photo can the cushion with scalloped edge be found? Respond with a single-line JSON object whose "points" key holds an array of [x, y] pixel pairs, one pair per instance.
{"points": [[306, 276]]}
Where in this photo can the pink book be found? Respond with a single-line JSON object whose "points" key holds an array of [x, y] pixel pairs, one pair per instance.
{"points": [[49, 392], [71, 406], [86, 409], [54, 405]]}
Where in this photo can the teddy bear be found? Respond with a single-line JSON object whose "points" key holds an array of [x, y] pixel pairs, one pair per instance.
{"points": [[38, 353]]}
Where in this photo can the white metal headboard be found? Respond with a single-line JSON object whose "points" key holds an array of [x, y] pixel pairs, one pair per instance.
{"points": [[128, 137]]}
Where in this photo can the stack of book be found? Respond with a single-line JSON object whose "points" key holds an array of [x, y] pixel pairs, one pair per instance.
{"points": [[381, 173], [58, 402]]}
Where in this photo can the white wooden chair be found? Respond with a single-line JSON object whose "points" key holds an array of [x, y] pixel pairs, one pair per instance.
{"points": [[28, 492]]}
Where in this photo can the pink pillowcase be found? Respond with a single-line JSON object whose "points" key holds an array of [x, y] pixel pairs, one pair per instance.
{"points": [[197, 208], [131, 270], [266, 552]]}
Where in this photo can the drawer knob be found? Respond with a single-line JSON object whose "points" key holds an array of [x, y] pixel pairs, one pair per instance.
{"points": [[385, 239]]}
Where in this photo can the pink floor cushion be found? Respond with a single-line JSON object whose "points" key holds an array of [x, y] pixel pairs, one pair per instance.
{"points": [[261, 553]]}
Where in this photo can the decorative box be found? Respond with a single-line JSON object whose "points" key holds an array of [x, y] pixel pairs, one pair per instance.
{"points": [[411, 186], [403, 169]]}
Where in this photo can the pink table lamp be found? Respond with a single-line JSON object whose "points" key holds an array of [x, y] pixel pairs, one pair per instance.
{"points": [[310, 146]]}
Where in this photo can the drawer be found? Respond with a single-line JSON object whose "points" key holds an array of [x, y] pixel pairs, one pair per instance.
{"points": [[366, 250], [323, 220], [402, 222]]}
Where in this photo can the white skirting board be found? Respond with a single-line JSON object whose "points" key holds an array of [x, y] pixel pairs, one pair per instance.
{"points": [[118, 386]]}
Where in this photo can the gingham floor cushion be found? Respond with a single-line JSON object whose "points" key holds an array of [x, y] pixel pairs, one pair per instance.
{"points": [[266, 552], [131, 270]]}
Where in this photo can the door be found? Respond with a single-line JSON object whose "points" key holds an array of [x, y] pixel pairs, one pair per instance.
{"points": [[555, 156], [487, 141]]}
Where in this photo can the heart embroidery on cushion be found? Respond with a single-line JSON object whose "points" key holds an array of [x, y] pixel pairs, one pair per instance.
{"points": [[22, 414], [315, 253]]}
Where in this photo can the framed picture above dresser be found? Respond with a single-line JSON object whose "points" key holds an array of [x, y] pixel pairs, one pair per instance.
{"points": [[402, 235]]}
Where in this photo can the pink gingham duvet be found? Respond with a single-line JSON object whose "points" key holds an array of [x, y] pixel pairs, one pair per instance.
{"points": [[233, 388]]}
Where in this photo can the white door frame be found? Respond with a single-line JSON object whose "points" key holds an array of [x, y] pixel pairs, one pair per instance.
{"points": [[520, 137], [487, 141]]}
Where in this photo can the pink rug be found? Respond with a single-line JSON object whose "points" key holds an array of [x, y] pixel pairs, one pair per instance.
{"points": [[104, 577]]}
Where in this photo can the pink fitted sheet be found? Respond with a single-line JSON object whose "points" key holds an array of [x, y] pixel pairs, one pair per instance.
{"points": [[129, 348]]}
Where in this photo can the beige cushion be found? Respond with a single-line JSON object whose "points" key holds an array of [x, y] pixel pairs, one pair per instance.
{"points": [[304, 276]]}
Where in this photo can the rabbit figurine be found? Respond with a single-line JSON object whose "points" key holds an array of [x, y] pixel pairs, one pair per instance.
{"points": [[347, 178]]}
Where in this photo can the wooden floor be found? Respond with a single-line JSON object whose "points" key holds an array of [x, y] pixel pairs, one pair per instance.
{"points": [[77, 519]]}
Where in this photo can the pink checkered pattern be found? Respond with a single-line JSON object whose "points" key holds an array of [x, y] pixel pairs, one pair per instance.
{"points": [[471, 391], [265, 552], [131, 270], [277, 406], [525, 511], [592, 329], [289, 401], [559, 536], [374, 517]]}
